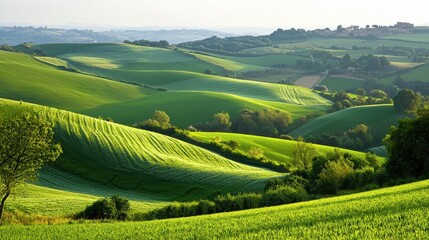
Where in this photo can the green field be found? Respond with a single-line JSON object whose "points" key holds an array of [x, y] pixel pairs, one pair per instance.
{"points": [[275, 149], [342, 83], [391, 213], [24, 78], [420, 73], [228, 64], [138, 162], [410, 37], [377, 117]]}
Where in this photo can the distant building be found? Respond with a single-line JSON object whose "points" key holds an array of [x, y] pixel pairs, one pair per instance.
{"points": [[404, 25]]}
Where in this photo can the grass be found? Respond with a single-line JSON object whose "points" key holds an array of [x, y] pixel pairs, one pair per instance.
{"points": [[275, 149], [138, 161], [341, 121], [391, 213], [24, 78], [160, 59], [342, 83], [252, 89], [410, 37], [419, 73], [348, 43], [125, 57], [53, 61], [227, 64]]}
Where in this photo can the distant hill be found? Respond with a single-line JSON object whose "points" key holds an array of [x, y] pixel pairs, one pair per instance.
{"points": [[18, 35]]}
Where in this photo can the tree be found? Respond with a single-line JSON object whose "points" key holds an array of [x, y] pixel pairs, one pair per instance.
{"points": [[221, 122], [406, 101], [303, 154], [159, 119], [26, 145], [408, 146]]}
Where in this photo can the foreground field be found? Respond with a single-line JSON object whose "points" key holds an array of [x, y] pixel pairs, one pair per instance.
{"points": [[392, 213]]}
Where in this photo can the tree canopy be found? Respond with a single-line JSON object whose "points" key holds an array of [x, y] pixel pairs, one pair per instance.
{"points": [[26, 145], [408, 146]]}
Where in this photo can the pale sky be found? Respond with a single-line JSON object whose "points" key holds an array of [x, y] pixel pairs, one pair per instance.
{"points": [[212, 13]]}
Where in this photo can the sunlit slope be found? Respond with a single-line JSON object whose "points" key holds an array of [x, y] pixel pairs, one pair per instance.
{"points": [[392, 213], [138, 160], [275, 149], [189, 107], [167, 69], [24, 78], [252, 89], [378, 118], [125, 57]]}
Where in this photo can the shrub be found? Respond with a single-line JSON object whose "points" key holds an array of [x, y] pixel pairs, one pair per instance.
{"points": [[114, 207]]}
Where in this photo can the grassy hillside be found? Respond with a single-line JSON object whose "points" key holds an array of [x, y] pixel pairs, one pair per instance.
{"points": [[118, 61], [125, 57], [275, 149], [139, 161], [24, 78], [377, 117], [392, 213], [227, 64]]}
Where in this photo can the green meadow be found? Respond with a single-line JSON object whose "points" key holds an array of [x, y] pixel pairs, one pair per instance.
{"points": [[379, 214], [274, 149], [341, 121]]}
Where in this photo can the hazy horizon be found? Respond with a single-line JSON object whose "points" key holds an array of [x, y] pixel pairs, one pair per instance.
{"points": [[215, 15]]}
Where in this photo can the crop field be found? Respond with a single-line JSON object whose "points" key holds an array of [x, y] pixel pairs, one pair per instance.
{"points": [[392, 213], [341, 121], [348, 43], [410, 37], [342, 83], [420, 73], [142, 161], [275, 149]]}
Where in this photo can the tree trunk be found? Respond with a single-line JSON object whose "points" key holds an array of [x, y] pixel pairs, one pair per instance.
{"points": [[2, 205]]}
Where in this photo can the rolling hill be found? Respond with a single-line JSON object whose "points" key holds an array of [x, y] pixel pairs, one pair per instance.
{"points": [[275, 149], [24, 78], [341, 121], [148, 164]]}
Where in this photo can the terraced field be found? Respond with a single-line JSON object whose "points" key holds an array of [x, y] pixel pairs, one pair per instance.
{"points": [[275, 149], [391, 213], [409, 37], [141, 161], [341, 121]]}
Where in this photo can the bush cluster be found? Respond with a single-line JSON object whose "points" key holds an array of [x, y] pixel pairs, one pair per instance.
{"points": [[114, 207]]}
